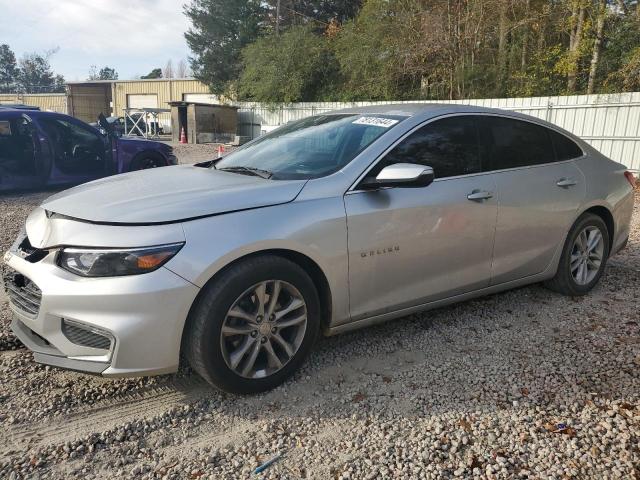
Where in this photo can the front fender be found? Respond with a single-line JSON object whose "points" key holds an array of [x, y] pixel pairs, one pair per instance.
{"points": [[314, 228]]}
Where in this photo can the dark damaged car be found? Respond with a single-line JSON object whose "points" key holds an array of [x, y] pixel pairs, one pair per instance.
{"points": [[45, 148]]}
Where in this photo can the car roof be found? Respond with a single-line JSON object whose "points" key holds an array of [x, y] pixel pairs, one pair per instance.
{"points": [[413, 109], [31, 113], [427, 111]]}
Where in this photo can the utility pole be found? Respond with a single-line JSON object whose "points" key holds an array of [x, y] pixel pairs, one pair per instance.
{"points": [[278, 17]]}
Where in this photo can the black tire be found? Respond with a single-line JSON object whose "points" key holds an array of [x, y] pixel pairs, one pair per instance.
{"points": [[147, 161], [563, 282], [201, 340]]}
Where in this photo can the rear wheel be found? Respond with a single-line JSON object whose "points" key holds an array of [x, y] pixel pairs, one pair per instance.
{"points": [[584, 257], [254, 325]]}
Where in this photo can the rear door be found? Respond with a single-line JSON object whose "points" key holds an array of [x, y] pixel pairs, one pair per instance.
{"points": [[539, 192], [409, 246]]}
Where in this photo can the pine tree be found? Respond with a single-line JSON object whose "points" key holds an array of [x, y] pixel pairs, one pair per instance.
{"points": [[219, 31], [8, 69]]}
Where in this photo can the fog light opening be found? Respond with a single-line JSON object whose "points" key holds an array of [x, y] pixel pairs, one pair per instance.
{"points": [[87, 335]]}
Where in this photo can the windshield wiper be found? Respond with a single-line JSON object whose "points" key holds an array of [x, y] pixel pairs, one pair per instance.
{"points": [[258, 172]]}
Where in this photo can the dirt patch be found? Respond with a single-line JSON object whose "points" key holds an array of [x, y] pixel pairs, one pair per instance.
{"points": [[194, 153]]}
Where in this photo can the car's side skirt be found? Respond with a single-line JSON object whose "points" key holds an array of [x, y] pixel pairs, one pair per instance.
{"points": [[366, 322]]}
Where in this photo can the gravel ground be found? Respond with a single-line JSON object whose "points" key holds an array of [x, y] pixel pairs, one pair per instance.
{"points": [[476, 390], [193, 153]]}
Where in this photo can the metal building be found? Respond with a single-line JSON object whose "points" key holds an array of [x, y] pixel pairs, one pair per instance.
{"points": [[53, 102], [88, 99]]}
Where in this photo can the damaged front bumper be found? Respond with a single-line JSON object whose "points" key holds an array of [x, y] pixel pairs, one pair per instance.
{"points": [[116, 326]]}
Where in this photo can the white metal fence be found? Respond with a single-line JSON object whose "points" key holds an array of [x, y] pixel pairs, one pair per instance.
{"points": [[609, 122]]}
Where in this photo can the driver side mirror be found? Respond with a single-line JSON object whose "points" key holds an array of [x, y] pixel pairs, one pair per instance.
{"points": [[401, 175]]}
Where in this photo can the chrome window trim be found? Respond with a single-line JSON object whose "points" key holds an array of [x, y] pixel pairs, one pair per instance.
{"points": [[352, 189]]}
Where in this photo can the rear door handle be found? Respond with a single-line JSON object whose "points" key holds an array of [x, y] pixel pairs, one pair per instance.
{"points": [[479, 195], [566, 182]]}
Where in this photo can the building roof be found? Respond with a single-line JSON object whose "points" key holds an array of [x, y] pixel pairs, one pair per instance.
{"points": [[135, 80]]}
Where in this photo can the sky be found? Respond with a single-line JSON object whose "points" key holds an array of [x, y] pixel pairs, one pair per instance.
{"points": [[132, 36]]}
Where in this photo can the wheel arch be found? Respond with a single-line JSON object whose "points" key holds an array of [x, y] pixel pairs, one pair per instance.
{"points": [[605, 214], [311, 267], [598, 209]]}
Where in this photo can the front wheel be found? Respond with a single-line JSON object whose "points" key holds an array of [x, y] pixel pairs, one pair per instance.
{"points": [[584, 257], [252, 327]]}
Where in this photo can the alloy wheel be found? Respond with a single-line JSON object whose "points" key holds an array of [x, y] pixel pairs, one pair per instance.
{"points": [[587, 255], [263, 329]]}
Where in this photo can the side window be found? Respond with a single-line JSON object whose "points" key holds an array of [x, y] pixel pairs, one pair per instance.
{"points": [[449, 146], [77, 150], [510, 143], [72, 132], [566, 149]]}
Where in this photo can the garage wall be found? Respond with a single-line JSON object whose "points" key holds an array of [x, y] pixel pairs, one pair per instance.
{"points": [[53, 102], [86, 102], [165, 91], [144, 100], [201, 98]]}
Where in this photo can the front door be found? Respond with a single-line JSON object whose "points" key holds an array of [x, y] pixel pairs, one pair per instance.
{"points": [[79, 151], [409, 246]]}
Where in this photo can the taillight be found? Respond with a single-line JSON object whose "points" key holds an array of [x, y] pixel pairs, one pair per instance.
{"points": [[630, 178]]}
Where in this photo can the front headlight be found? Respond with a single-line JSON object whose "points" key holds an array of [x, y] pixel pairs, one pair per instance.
{"points": [[87, 262]]}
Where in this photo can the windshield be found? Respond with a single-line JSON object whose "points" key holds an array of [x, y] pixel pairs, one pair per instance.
{"points": [[309, 148]]}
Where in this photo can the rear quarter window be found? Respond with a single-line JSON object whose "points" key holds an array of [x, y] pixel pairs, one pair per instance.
{"points": [[566, 149]]}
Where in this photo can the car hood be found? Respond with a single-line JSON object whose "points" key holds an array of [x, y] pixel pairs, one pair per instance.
{"points": [[169, 194]]}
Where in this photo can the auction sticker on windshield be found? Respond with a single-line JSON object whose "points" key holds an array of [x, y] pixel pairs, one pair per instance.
{"points": [[376, 121]]}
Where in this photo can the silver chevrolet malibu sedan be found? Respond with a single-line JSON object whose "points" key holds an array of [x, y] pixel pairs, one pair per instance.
{"points": [[327, 224]]}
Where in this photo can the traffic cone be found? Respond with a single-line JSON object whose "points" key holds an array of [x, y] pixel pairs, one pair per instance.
{"points": [[220, 150], [183, 136]]}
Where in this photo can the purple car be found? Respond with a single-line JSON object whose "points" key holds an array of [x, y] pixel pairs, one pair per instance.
{"points": [[45, 148]]}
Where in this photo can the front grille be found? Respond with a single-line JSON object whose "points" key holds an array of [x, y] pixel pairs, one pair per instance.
{"points": [[23, 294], [85, 336]]}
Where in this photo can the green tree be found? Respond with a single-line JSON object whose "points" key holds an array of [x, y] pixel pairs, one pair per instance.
{"points": [[35, 74], [627, 78], [295, 66], [105, 73], [371, 55], [8, 69], [620, 54], [317, 13], [219, 30], [155, 73], [108, 73], [434, 49]]}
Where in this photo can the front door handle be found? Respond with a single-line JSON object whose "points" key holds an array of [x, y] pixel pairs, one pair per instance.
{"points": [[479, 195], [566, 182]]}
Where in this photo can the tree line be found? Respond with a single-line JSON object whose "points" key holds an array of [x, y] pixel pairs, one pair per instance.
{"points": [[323, 50], [30, 74]]}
